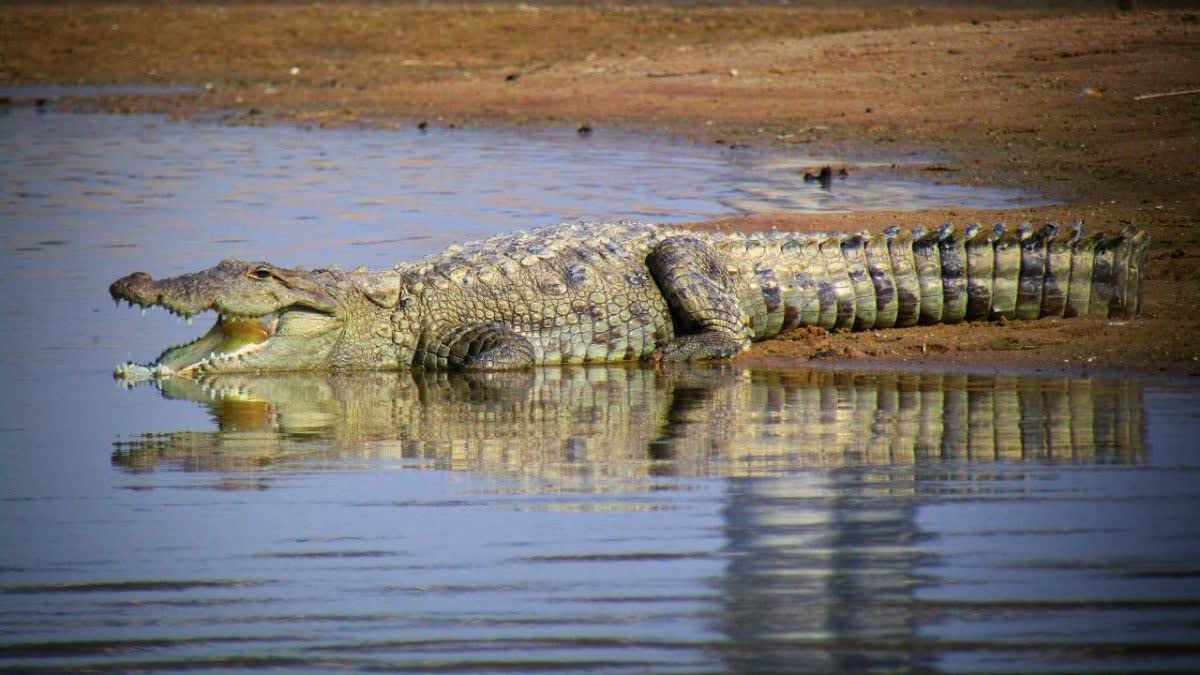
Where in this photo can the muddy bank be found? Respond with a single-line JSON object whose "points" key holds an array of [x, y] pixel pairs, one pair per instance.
{"points": [[1039, 97]]}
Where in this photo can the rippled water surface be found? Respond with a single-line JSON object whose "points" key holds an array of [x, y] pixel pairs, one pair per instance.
{"points": [[603, 519]]}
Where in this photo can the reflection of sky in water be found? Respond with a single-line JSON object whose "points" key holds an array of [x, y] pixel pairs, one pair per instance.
{"points": [[773, 188], [272, 192], [887, 523], [194, 192]]}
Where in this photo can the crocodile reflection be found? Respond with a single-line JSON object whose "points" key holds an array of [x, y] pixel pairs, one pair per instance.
{"points": [[634, 422]]}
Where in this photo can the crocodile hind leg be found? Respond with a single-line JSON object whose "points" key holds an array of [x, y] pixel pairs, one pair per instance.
{"points": [[709, 322], [475, 346]]}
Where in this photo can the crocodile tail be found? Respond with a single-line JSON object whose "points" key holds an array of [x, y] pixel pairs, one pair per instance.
{"points": [[947, 275], [1053, 271]]}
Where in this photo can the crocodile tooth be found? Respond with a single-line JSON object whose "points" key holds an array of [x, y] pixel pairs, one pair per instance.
{"points": [[143, 311]]}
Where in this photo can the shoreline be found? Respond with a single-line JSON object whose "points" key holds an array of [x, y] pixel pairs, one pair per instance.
{"points": [[1038, 100]]}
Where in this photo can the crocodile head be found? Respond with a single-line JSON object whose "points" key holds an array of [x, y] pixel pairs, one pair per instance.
{"points": [[268, 318]]}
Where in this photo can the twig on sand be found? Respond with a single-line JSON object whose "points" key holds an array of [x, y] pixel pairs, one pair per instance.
{"points": [[1162, 94], [678, 74]]}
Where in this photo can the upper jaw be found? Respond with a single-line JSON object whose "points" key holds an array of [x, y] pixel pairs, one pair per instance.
{"points": [[230, 288], [142, 290], [183, 296]]}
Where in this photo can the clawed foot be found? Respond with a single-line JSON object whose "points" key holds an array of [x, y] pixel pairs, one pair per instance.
{"points": [[698, 347]]}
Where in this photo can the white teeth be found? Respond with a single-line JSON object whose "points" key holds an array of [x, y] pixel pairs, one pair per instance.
{"points": [[143, 311], [189, 321]]}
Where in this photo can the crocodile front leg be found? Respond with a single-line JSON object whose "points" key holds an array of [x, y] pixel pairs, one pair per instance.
{"points": [[475, 346], [709, 322]]}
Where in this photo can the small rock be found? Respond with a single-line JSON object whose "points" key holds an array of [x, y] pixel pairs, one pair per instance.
{"points": [[824, 176]]}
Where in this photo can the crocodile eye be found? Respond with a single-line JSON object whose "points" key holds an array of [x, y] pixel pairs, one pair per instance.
{"points": [[261, 273]]}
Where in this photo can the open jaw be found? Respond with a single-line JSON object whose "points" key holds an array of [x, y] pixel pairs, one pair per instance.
{"points": [[231, 345], [268, 318]]}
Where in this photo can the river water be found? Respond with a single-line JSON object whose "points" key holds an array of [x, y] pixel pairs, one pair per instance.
{"points": [[602, 519]]}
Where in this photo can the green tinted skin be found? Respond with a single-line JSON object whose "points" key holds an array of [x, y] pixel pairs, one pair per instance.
{"points": [[602, 293]]}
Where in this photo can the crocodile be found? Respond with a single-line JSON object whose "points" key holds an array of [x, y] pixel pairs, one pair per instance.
{"points": [[597, 293]]}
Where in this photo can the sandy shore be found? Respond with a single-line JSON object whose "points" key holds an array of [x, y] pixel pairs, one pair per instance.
{"points": [[1046, 99]]}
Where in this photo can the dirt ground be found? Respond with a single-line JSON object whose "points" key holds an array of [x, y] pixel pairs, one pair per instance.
{"points": [[1041, 95]]}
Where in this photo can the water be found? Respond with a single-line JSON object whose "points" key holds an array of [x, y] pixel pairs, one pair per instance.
{"points": [[603, 519], [32, 93]]}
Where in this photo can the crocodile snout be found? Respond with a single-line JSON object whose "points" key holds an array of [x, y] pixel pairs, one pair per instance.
{"points": [[138, 287], [178, 295]]}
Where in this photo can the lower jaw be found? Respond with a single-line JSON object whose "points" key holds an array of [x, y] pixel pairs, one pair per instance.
{"points": [[224, 362], [223, 347]]}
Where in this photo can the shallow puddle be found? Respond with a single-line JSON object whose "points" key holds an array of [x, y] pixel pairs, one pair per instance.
{"points": [[611, 519]]}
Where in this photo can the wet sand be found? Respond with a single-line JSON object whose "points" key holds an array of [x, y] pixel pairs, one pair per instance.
{"points": [[1045, 99]]}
